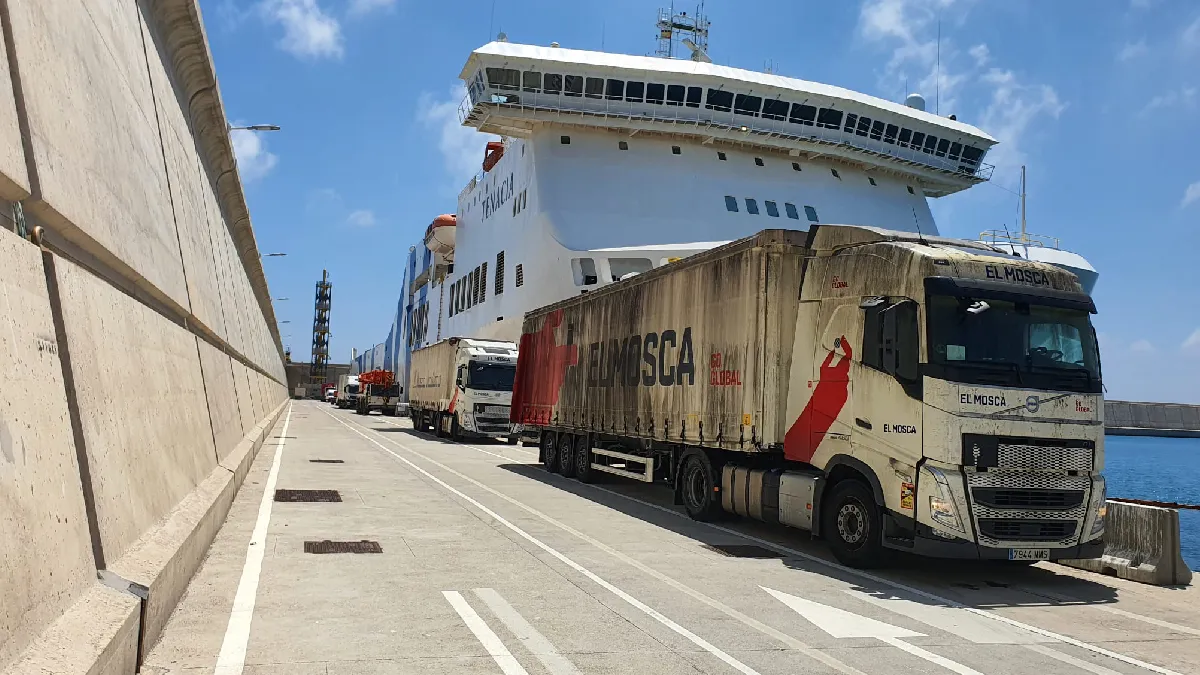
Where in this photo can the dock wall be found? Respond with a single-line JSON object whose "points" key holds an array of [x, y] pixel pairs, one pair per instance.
{"points": [[140, 360], [1132, 418]]}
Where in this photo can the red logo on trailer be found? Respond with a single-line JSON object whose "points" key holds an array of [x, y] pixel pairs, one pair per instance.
{"points": [[802, 439], [541, 370]]}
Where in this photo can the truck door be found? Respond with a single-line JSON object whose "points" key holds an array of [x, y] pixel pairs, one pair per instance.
{"points": [[823, 427]]}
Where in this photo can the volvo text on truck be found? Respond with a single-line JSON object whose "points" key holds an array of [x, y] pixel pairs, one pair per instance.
{"points": [[882, 390], [347, 391], [463, 386]]}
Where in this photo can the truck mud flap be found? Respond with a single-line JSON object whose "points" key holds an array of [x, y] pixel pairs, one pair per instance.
{"points": [[646, 476]]}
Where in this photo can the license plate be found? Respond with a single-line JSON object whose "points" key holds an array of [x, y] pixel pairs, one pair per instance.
{"points": [[1029, 554]]}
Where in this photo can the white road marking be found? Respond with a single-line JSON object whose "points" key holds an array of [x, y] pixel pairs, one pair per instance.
{"points": [[535, 642], [904, 587], [954, 620], [490, 641], [232, 658], [472, 447], [843, 624], [1071, 660], [1147, 619], [650, 611]]}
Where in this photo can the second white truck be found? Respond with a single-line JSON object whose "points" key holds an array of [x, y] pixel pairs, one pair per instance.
{"points": [[463, 386]]}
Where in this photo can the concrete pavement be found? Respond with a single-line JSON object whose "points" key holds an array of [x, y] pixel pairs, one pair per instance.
{"points": [[490, 564]]}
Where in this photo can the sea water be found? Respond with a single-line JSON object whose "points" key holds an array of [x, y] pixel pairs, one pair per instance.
{"points": [[1161, 469]]}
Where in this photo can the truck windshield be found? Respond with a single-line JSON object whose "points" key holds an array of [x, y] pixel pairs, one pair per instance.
{"points": [[491, 376], [352, 389], [1018, 344]]}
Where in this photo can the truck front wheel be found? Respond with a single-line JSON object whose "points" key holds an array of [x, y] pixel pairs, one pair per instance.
{"points": [[566, 455], [699, 488], [549, 450], [852, 525]]}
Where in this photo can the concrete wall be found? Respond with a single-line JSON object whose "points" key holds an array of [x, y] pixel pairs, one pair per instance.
{"points": [[139, 351], [1131, 417]]}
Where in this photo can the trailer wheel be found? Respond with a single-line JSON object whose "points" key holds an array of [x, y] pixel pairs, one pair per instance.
{"points": [[511, 440], [566, 455], [549, 450], [583, 460], [699, 487], [852, 525], [438, 429], [419, 422]]}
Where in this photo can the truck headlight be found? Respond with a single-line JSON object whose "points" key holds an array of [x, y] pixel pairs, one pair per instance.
{"points": [[941, 505], [1099, 506]]}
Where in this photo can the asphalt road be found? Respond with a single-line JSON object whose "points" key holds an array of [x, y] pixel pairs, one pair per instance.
{"points": [[490, 564]]}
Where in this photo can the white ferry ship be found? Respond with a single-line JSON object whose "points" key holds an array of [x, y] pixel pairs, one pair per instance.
{"points": [[611, 164]]}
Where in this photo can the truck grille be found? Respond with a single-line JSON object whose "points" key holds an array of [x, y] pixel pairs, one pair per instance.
{"points": [[1027, 530], [491, 410], [1033, 454], [1015, 498]]}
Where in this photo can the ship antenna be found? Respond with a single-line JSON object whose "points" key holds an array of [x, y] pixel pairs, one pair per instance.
{"points": [[917, 222], [1024, 237], [937, 95], [492, 20]]}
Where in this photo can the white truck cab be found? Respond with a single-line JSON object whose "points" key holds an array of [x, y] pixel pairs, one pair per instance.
{"points": [[463, 386]]}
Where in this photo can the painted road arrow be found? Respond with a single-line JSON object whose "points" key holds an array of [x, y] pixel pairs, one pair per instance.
{"points": [[842, 624]]}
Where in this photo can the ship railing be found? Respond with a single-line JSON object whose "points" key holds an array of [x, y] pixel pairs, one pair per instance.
{"points": [[696, 115], [1019, 239]]}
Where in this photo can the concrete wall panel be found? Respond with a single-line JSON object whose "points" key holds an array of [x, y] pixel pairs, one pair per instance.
{"points": [[14, 178], [245, 397], [47, 561], [145, 419], [222, 399], [95, 137]]}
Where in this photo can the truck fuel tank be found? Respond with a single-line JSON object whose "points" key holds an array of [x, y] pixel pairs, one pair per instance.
{"points": [[770, 495]]}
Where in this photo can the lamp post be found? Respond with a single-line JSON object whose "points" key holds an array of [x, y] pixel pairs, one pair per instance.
{"points": [[254, 127]]}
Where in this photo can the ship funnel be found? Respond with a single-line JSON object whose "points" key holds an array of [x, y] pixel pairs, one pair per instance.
{"points": [[916, 101]]}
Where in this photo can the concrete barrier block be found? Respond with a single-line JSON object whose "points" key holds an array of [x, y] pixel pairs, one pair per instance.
{"points": [[14, 178], [98, 635], [141, 401], [1141, 543], [222, 399], [95, 139], [40, 500]]}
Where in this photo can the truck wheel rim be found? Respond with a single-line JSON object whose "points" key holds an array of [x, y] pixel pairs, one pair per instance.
{"points": [[697, 485], [851, 523], [582, 463]]}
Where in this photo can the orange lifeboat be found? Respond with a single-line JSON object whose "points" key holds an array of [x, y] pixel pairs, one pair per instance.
{"points": [[493, 153], [439, 238]]}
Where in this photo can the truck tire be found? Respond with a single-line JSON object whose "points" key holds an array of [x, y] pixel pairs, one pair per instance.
{"points": [[511, 440], [455, 429], [566, 455], [698, 483], [851, 523], [439, 431], [583, 460], [549, 450]]}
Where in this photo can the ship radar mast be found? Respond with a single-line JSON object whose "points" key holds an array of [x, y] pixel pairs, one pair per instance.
{"points": [[689, 31]]}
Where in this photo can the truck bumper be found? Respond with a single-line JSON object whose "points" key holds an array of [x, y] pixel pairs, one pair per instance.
{"points": [[925, 543]]}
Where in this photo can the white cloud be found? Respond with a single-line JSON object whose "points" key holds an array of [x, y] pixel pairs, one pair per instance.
{"points": [[1142, 347], [1013, 108], [253, 159], [308, 32], [361, 218], [1132, 50], [1193, 340], [1191, 35], [910, 26], [361, 7], [1185, 97], [461, 147], [1191, 194], [981, 54]]}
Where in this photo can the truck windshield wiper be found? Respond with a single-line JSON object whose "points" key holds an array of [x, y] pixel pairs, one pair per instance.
{"points": [[1074, 370], [1004, 365]]}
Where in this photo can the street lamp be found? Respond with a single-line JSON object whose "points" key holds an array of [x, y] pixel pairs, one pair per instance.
{"points": [[254, 127], [281, 299], [271, 255]]}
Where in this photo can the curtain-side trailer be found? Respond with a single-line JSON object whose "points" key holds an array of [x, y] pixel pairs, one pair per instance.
{"points": [[881, 389]]}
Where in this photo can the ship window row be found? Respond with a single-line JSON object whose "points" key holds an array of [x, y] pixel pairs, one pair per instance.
{"points": [[721, 100], [772, 207]]}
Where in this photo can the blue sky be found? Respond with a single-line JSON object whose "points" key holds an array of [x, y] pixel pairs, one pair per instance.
{"points": [[1100, 99]]}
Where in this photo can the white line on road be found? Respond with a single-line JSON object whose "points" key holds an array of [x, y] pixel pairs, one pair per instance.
{"points": [[930, 656], [1071, 660], [535, 642], [650, 611], [490, 641], [232, 659], [953, 620]]}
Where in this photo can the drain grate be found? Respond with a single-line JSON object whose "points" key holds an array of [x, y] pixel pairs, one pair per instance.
{"points": [[307, 496], [742, 551], [327, 546], [327, 461]]}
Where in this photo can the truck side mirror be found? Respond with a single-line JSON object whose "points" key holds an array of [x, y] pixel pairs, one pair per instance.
{"points": [[900, 342], [462, 375]]}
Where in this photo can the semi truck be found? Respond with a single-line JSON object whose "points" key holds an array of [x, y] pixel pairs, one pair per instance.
{"points": [[378, 390], [463, 387], [885, 391], [347, 391]]}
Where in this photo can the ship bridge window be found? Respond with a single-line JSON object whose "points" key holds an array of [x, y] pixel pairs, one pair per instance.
{"points": [[655, 93], [930, 144], [828, 118], [803, 114], [614, 90], [634, 91], [504, 78], [942, 146], [917, 139], [584, 271], [811, 213], [772, 209], [751, 207], [552, 83], [594, 87], [675, 94], [719, 100], [864, 126], [971, 155], [774, 109], [531, 81], [791, 211], [573, 85], [619, 268], [877, 130], [694, 94], [745, 104], [731, 204], [905, 137], [955, 151], [851, 122], [889, 134]]}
